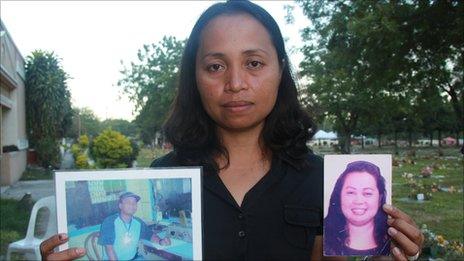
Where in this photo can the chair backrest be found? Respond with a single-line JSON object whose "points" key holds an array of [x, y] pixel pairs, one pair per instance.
{"points": [[91, 247], [51, 228]]}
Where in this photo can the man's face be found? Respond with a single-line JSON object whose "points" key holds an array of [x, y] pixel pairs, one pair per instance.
{"points": [[128, 206]]}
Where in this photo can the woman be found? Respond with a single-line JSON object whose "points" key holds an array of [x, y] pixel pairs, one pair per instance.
{"points": [[237, 115], [355, 223]]}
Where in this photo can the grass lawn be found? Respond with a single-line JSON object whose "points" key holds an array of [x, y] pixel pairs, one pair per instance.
{"points": [[37, 173], [444, 213], [146, 156], [13, 223]]}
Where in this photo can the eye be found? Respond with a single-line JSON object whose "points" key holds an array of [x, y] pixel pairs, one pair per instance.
{"points": [[214, 67], [255, 65], [350, 192], [368, 194]]}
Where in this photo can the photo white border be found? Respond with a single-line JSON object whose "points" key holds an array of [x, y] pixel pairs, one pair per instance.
{"points": [[193, 173]]}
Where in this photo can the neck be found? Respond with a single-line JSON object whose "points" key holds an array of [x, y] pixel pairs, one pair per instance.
{"points": [[361, 237], [125, 217], [242, 146]]}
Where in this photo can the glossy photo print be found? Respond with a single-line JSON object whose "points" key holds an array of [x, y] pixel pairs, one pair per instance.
{"points": [[355, 188], [150, 214]]}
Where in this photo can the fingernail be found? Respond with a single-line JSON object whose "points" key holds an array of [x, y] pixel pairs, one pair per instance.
{"points": [[63, 237], [396, 251], [387, 207], [392, 231], [80, 251], [390, 221]]}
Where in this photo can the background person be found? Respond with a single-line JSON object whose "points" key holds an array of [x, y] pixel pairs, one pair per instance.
{"points": [[120, 233], [355, 223], [237, 115]]}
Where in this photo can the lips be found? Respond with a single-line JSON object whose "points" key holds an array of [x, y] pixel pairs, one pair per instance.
{"points": [[237, 106], [358, 211]]}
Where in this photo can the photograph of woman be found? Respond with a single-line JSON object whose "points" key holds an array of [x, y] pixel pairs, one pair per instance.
{"points": [[355, 224]]}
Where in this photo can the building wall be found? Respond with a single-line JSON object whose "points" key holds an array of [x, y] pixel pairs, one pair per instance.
{"points": [[13, 109]]}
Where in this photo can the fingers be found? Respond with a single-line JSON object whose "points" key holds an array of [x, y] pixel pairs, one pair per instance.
{"points": [[409, 247], [47, 249], [410, 231], [49, 244], [68, 254], [398, 254], [397, 214]]}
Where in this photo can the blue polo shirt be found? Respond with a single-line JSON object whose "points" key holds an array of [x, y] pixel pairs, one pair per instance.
{"points": [[124, 237]]}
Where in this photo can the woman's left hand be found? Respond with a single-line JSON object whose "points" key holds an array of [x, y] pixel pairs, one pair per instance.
{"points": [[407, 239]]}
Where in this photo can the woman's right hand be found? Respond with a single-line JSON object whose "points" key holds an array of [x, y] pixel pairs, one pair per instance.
{"points": [[47, 249]]}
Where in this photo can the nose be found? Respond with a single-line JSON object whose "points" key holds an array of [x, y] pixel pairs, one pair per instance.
{"points": [[358, 199], [236, 80]]}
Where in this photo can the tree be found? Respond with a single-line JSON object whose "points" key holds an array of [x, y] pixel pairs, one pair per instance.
{"points": [[125, 127], [84, 122], [48, 104], [358, 53], [151, 83]]}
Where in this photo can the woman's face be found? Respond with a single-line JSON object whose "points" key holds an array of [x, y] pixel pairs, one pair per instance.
{"points": [[359, 198], [237, 72]]}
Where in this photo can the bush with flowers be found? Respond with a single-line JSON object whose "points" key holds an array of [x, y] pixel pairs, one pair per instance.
{"points": [[436, 246]]}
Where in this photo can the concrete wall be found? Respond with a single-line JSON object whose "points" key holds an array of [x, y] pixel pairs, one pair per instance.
{"points": [[13, 164], [13, 109]]}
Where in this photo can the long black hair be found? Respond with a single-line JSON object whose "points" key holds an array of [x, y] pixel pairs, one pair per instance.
{"points": [[335, 231], [193, 133]]}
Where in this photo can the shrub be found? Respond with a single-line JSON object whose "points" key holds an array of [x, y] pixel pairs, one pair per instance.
{"points": [[84, 141], [82, 161], [110, 148], [48, 152], [75, 150]]}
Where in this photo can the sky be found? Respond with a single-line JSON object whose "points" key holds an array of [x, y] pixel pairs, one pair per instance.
{"points": [[93, 37]]}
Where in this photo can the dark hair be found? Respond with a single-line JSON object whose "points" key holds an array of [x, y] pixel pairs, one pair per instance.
{"points": [[193, 133], [335, 232]]}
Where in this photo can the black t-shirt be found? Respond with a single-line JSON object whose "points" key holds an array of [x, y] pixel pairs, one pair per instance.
{"points": [[278, 220]]}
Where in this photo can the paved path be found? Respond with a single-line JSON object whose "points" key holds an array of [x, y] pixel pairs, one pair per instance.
{"points": [[38, 189]]}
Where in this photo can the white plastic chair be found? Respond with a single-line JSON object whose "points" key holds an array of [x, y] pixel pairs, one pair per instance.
{"points": [[30, 245]]}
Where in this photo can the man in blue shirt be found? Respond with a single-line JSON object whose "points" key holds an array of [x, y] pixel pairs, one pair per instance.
{"points": [[121, 232]]}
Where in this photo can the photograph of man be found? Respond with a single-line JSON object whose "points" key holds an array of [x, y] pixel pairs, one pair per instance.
{"points": [[121, 232]]}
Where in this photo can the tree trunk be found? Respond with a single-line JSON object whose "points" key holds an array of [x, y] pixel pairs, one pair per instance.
{"points": [[439, 138], [457, 139], [362, 141], [396, 142], [345, 145], [431, 139], [410, 138], [379, 138]]}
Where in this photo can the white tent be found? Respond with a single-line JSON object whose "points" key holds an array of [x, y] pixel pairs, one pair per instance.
{"points": [[323, 135]]}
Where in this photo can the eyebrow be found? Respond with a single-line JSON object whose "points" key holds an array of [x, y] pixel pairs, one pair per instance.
{"points": [[246, 52], [350, 187]]}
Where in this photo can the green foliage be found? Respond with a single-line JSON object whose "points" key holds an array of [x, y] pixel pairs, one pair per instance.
{"points": [[369, 64], [110, 148], [75, 149], [48, 103], [84, 141], [82, 161], [133, 156], [151, 83], [14, 223], [84, 122], [48, 152], [125, 127]]}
